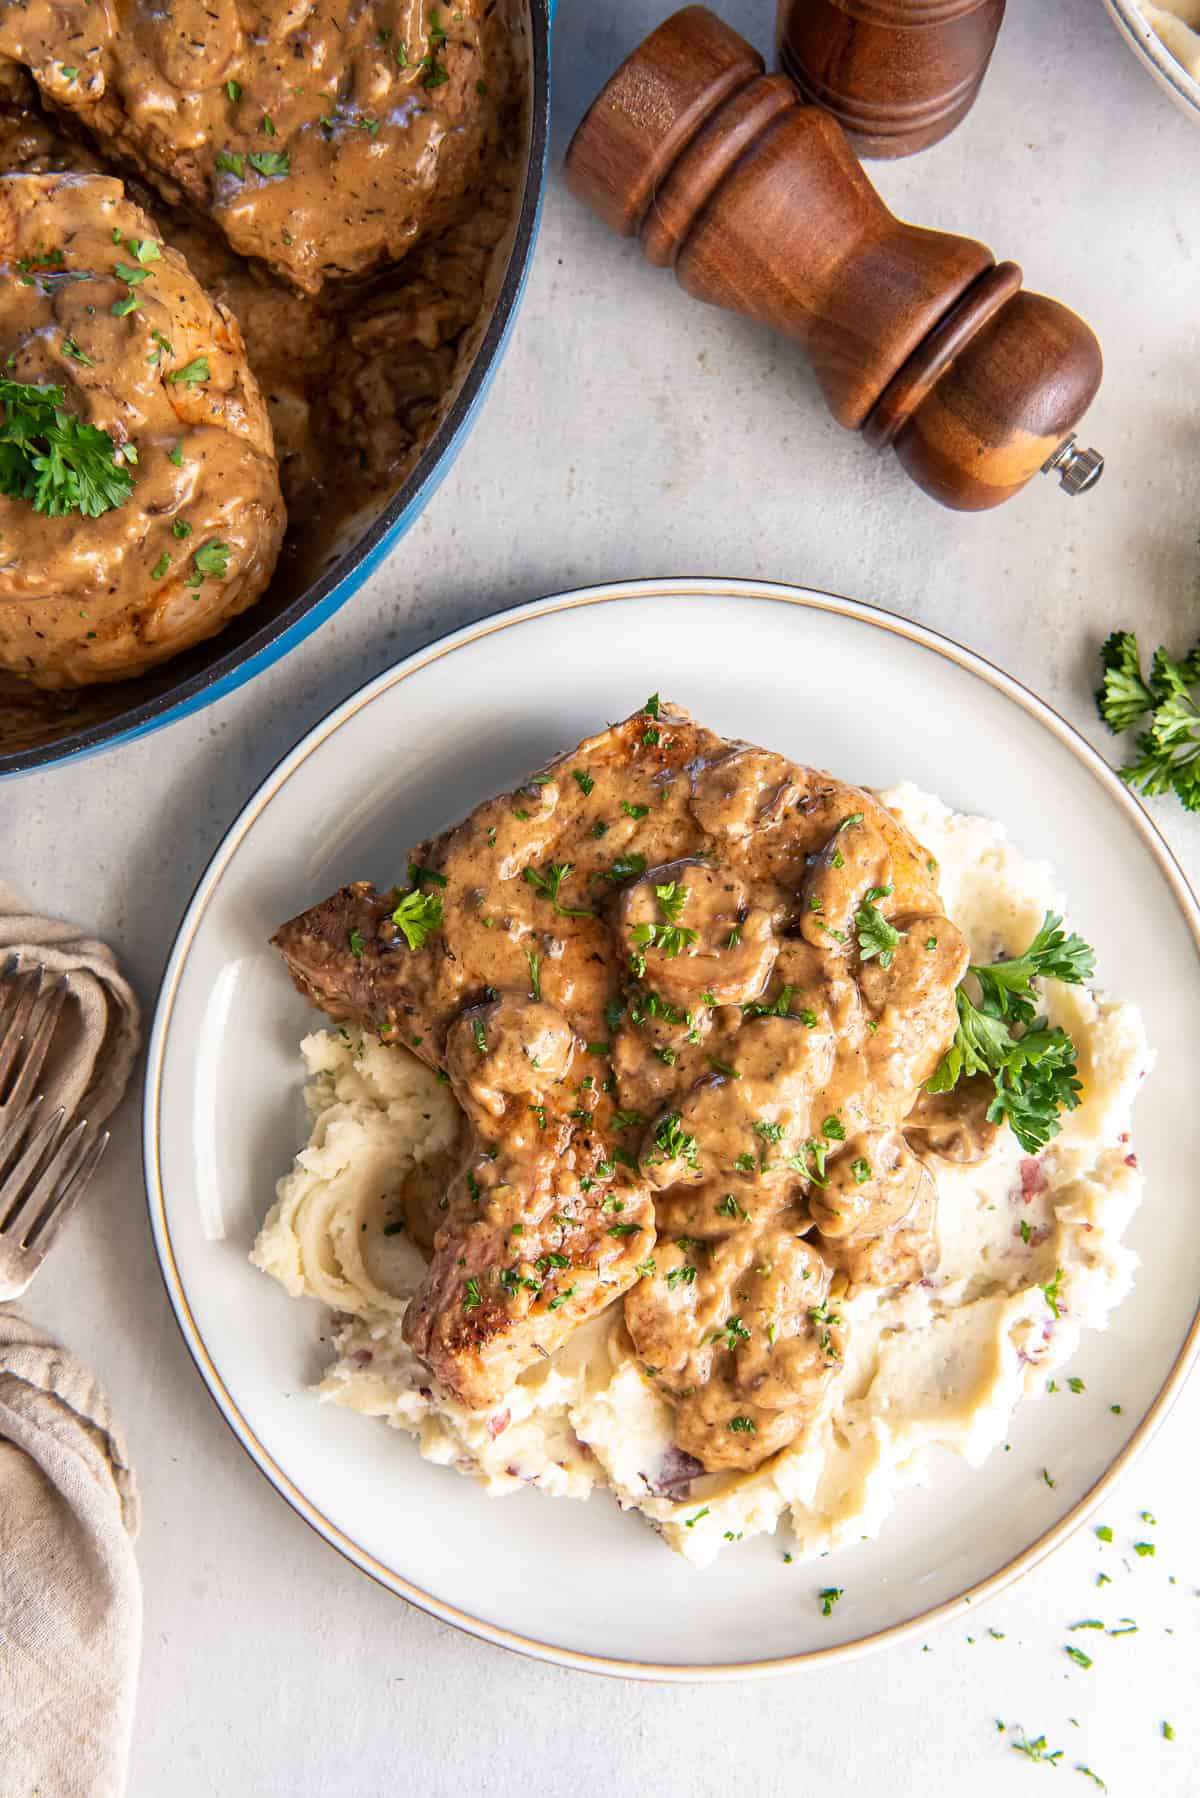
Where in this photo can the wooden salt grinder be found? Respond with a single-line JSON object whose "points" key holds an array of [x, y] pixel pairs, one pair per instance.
{"points": [[918, 339], [897, 75]]}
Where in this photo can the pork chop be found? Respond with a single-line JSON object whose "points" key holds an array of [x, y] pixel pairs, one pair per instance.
{"points": [[686, 993]]}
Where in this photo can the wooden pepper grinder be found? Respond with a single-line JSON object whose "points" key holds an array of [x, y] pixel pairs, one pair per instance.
{"points": [[897, 75], [919, 339]]}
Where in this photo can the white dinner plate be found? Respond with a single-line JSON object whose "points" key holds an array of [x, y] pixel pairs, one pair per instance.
{"points": [[825, 681]]}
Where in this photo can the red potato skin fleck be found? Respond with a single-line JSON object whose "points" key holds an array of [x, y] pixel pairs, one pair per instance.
{"points": [[1033, 1178], [498, 1424]]}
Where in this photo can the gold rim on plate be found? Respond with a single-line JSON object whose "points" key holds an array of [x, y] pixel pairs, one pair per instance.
{"points": [[670, 1672]]}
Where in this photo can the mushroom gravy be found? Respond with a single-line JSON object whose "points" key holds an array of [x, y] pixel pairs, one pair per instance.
{"points": [[687, 994]]}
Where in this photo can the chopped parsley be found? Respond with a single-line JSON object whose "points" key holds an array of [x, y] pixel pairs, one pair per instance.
{"points": [[535, 979], [876, 937], [193, 373], [671, 900], [477, 1031], [212, 559], [743, 1426], [53, 459], [681, 1276], [672, 1142], [562, 1298], [861, 1170], [729, 1207], [584, 780], [161, 566], [356, 944], [634, 811], [1077, 1655], [1037, 1749], [270, 162], [829, 1598], [733, 1332], [1051, 1292], [625, 868], [417, 916], [668, 939], [548, 883], [471, 1295]]}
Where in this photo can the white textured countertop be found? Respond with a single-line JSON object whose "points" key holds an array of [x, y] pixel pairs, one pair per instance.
{"points": [[632, 432]]}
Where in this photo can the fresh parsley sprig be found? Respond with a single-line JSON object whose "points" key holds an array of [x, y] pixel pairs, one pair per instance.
{"points": [[1030, 1063], [55, 460], [1167, 758]]}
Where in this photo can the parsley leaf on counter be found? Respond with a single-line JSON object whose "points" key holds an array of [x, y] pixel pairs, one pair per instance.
{"points": [[1037, 1750], [53, 459], [1167, 758], [1034, 1073]]}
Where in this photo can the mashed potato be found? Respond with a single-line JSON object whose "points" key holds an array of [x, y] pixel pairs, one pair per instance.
{"points": [[939, 1364]]}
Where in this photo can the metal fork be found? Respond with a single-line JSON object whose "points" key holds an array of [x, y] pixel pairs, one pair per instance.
{"points": [[45, 1168]]}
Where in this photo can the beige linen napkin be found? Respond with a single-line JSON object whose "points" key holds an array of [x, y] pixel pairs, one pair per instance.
{"points": [[70, 1597], [96, 1043]]}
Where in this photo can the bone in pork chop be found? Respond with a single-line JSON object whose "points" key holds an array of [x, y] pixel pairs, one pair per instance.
{"points": [[687, 994]]}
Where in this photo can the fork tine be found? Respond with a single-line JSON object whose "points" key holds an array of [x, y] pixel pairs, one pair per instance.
{"points": [[18, 1019], [39, 1047], [45, 1231], [12, 1134], [55, 1172], [12, 1191]]}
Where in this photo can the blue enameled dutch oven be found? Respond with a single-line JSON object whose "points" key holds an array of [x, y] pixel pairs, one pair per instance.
{"points": [[280, 620]]}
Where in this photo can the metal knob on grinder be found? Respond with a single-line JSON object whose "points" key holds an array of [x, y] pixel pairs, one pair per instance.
{"points": [[919, 339]]}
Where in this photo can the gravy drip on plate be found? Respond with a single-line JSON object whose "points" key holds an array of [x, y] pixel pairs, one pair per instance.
{"points": [[687, 993]]}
